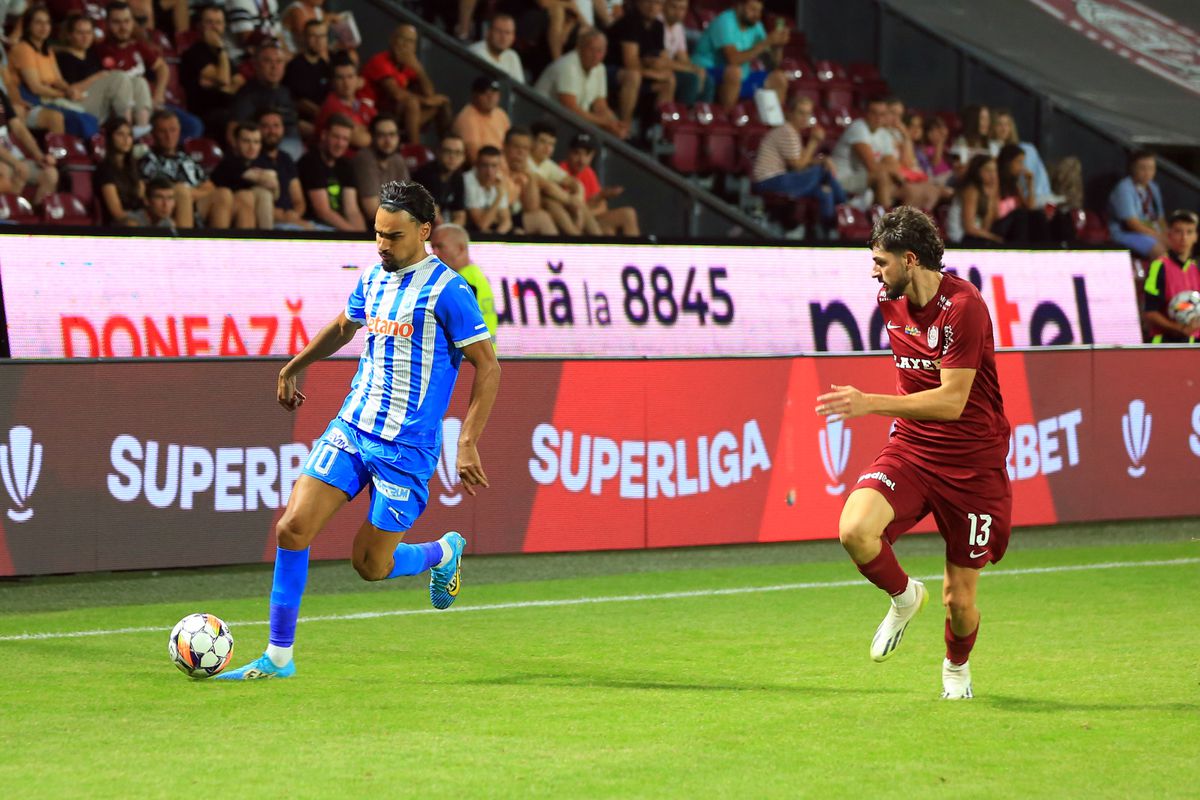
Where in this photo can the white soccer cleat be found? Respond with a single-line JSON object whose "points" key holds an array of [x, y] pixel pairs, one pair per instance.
{"points": [[956, 680], [891, 630]]}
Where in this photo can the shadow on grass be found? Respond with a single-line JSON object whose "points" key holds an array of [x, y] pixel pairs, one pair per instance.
{"points": [[1040, 705], [650, 683]]}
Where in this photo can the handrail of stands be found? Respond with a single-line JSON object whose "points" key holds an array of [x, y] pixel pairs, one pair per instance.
{"points": [[674, 207], [1175, 171]]}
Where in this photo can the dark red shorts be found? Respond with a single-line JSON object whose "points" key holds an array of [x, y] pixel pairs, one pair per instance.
{"points": [[972, 507]]}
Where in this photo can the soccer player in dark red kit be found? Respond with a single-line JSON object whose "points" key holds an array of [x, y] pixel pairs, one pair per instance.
{"points": [[946, 453]]}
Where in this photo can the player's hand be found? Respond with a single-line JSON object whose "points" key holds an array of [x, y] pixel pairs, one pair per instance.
{"points": [[470, 470], [290, 397], [844, 402]]}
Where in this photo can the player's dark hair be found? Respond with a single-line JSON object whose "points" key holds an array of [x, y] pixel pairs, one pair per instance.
{"points": [[540, 127], [1138, 155], [1183, 215], [408, 196], [909, 229]]}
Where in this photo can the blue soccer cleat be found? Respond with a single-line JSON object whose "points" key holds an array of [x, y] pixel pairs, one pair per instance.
{"points": [[262, 667], [444, 581]]}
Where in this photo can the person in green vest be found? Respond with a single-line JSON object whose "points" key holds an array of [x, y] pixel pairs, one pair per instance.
{"points": [[451, 244]]}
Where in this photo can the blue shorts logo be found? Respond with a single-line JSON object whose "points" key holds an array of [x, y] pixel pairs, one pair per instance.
{"points": [[390, 490]]}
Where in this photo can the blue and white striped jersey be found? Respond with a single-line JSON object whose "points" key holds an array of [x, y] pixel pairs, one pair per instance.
{"points": [[417, 319]]}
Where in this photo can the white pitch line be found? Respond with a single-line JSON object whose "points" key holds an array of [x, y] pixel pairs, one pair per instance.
{"points": [[626, 598]]}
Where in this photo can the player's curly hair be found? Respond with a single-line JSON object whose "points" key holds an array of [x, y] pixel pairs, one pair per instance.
{"points": [[408, 196], [907, 228]]}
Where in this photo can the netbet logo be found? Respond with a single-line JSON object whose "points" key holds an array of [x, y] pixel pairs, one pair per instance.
{"points": [[647, 469], [239, 478], [1036, 449]]}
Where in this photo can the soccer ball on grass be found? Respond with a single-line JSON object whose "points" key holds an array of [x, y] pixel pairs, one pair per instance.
{"points": [[201, 645]]}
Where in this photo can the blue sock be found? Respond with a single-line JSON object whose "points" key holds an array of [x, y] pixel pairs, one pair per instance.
{"points": [[291, 572], [413, 559]]}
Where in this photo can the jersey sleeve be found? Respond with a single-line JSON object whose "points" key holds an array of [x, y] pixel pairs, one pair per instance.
{"points": [[458, 314], [356, 306], [965, 334], [1156, 287]]}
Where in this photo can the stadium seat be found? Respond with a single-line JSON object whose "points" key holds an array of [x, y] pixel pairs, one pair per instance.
{"points": [[867, 81], [185, 39], [791, 212], [837, 90], [1090, 227], [852, 224], [68, 150], [98, 146], [953, 122], [416, 156], [204, 151], [15, 208], [62, 208]]}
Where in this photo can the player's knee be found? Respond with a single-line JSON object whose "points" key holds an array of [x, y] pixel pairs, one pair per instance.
{"points": [[371, 569], [957, 600], [292, 534], [855, 533]]}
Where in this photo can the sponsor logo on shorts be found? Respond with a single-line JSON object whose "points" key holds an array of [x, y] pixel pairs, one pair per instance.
{"points": [[1135, 426], [337, 437], [882, 477], [390, 490], [980, 554]]}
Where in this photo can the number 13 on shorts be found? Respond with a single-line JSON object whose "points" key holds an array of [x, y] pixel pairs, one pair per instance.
{"points": [[981, 529]]}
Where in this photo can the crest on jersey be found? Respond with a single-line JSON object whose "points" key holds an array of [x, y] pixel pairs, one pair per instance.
{"points": [[932, 336], [912, 330]]}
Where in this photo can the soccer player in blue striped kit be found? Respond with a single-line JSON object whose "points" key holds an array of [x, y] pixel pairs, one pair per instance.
{"points": [[422, 319]]}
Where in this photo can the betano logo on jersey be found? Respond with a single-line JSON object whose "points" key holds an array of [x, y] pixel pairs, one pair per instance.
{"points": [[647, 468], [389, 327]]}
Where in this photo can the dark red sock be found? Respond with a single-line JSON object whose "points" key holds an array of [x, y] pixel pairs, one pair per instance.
{"points": [[958, 648], [885, 571]]}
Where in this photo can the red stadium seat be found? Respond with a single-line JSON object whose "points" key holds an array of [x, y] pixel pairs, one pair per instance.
{"points": [[1090, 227], [791, 212], [68, 150], [416, 156], [852, 224], [867, 81], [837, 90], [185, 39], [953, 122], [98, 146], [62, 208], [807, 86], [15, 208], [204, 151], [797, 68]]}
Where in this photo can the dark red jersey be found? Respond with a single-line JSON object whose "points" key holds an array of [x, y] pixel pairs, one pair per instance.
{"points": [[952, 331]]}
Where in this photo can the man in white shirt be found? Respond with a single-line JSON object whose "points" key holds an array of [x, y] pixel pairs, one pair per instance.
{"points": [[562, 196], [865, 157], [579, 82], [485, 195], [496, 47]]}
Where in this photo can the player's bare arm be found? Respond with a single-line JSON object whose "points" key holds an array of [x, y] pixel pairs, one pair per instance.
{"points": [[333, 337], [946, 402], [483, 395]]}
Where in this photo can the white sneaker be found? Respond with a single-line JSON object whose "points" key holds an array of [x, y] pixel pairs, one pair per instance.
{"points": [[956, 680], [891, 630]]}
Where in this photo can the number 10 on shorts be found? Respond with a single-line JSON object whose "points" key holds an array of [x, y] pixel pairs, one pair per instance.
{"points": [[981, 529]]}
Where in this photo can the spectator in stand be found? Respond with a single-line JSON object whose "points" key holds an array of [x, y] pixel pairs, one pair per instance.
{"points": [[160, 205], [118, 184], [933, 153], [380, 163], [207, 74], [290, 206], [309, 74], [919, 191], [401, 86], [732, 42], [973, 141], [1003, 132], [252, 23], [195, 195], [976, 205], [299, 14], [524, 192], [579, 82], [255, 188], [496, 46], [482, 121], [443, 177], [104, 92], [621, 221], [562, 196], [38, 168], [691, 80], [485, 194], [451, 244], [637, 67], [1018, 216], [553, 20], [266, 90], [1135, 209], [865, 157], [787, 162], [346, 100], [328, 179], [1173, 272], [40, 81], [122, 50]]}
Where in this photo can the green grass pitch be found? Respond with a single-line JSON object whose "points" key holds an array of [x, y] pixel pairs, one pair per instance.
{"points": [[1085, 677]]}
